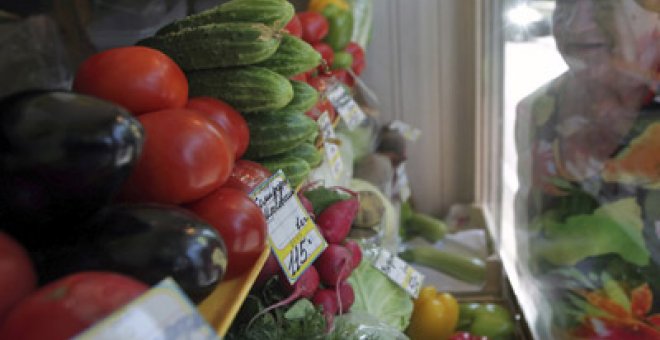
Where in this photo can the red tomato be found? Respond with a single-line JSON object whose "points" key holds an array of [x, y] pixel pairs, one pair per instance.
{"points": [[185, 157], [323, 105], [343, 77], [327, 54], [294, 27], [228, 118], [68, 306], [358, 57], [138, 78], [246, 175], [241, 224], [319, 83], [17, 277], [314, 26], [300, 77]]}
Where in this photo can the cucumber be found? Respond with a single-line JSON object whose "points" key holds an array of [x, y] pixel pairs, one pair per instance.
{"points": [[217, 45], [293, 56], [295, 169], [308, 152], [273, 13], [465, 268], [247, 89], [274, 134]]}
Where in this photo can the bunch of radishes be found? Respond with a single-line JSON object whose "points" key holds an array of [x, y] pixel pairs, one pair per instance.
{"points": [[325, 282]]}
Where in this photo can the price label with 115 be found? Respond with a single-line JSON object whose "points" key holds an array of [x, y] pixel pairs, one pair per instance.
{"points": [[292, 234]]}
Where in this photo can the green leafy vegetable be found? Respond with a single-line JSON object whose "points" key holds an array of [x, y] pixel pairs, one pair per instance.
{"points": [[612, 228], [322, 197], [376, 295]]}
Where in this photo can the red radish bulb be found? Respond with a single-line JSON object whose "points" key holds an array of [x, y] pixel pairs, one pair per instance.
{"points": [[307, 204], [355, 250], [307, 283], [294, 27], [335, 221], [334, 265], [346, 297], [327, 300], [314, 26]]}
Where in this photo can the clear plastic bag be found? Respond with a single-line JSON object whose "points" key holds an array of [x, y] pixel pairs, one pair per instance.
{"points": [[588, 208]]}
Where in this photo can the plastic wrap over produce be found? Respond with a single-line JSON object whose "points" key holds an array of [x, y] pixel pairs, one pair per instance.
{"points": [[588, 207]]}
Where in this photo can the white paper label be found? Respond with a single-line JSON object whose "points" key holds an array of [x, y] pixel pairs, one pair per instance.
{"points": [[344, 103], [162, 313], [293, 236], [402, 186], [400, 272], [332, 154], [408, 132]]}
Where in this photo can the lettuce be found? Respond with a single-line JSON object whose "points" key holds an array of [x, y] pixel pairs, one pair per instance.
{"points": [[376, 295], [613, 228]]}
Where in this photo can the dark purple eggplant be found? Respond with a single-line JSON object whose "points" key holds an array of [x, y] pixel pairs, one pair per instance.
{"points": [[147, 241], [63, 156]]}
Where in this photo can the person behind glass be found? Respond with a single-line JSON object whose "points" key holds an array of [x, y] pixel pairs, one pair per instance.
{"points": [[591, 136]]}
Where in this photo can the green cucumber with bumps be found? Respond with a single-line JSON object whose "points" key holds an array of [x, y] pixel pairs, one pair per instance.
{"points": [[247, 89], [293, 56], [306, 151], [217, 45], [275, 134], [304, 98], [273, 13], [295, 169]]}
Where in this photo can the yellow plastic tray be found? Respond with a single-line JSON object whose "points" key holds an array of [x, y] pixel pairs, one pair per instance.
{"points": [[220, 308]]}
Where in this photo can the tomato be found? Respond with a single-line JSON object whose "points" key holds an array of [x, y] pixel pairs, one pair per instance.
{"points": [[358, 57], [17, 276], [319, 83], [323, 105], [294, 27], [300, 77], [227, 118], [64, 308], [314, 26], [246, 175], [327, 54], [185, 157], [138, 78], [343, 77], [241, 224]]}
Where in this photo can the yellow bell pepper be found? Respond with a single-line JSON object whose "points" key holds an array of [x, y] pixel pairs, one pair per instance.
{"points": [[434, 316], [319, 5]]}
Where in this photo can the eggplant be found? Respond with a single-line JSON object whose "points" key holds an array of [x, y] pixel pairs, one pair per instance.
{"points": [[146, 241], [63, 156]]}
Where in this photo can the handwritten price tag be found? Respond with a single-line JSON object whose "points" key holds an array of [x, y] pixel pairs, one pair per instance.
{"points": [[400, 272], [162, 313], [402, 185], [293, 236], [344, 103], [332, 154]]}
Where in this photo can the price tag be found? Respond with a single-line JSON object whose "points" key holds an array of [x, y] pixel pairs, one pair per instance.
{"points": [[401, 185], [293, 236], [332, 155], [344, 103], [408, 132], [400, 272], [162, 313]]}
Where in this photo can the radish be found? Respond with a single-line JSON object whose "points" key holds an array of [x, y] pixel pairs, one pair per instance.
{"points": [[355, 250], [271, 268], [335, 221], [345, 296], [334, 265], [307, 204], [306, 285], [327, 299]]}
